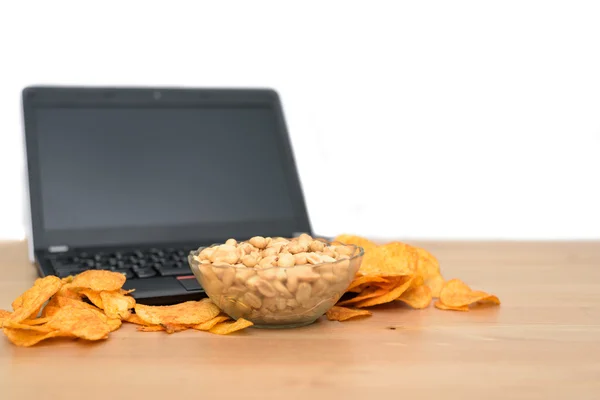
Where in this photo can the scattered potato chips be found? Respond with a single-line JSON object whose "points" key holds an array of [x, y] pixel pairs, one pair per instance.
{"points": [[342, 313], [391, 272], [398, 271]]}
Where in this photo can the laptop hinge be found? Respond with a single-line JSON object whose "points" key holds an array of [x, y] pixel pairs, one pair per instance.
{"points": [[58, 249]]}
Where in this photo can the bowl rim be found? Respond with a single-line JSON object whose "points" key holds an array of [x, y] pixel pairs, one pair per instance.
{"points": [[361, 252]]}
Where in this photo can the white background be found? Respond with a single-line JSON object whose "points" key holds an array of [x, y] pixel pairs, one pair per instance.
{"points": [[425, 119]]}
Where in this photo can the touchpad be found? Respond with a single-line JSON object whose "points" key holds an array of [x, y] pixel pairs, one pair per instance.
{"points": [[190, 283]]}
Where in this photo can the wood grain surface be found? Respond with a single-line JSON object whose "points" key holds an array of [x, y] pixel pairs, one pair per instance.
{"points": [[543, 342]]}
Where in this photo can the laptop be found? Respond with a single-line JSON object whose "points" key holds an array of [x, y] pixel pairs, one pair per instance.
{"points": [[131, 179]]}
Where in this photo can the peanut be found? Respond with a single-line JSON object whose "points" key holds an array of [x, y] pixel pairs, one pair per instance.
{"points": [[303, 293], [252, 300], [268, 262], [231, 242], [249, 260], [286, 260], [300, 258], [316, 245], [265, 288], [258, 241]]}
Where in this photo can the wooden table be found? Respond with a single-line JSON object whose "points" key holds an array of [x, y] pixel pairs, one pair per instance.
{"points": [[542, 343]]}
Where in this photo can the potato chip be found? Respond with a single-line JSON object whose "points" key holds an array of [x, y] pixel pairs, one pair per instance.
{"points": [[435, 283], [3, 315], [342, 313], [417, 297], [79, 322], [367, 279], [99, 280], [392, 259], [117, 305], [67, 279], [113, 323], [225, 328], [387, 297], [172, 328], [188, 313], [60, 302], [26, 327], [366, 244], [442, 306], [24, 338], [49, 311], [456, 293], [67, 291], [37, 321], [93, 297], [150, 328], [368, 293], [205, 326], [30, 302], [135, 319]]}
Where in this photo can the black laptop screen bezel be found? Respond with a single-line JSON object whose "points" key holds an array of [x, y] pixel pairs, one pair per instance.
{"points": [[34, 97]]}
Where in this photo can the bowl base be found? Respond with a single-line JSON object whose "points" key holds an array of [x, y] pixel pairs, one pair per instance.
{"points": [[284, 326]]}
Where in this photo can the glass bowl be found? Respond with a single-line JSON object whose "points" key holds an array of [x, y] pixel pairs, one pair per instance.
{"points": [[277, 297]]}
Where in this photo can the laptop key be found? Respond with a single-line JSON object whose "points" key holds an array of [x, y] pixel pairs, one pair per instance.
{"points": [[145, 272], [174, 271]]}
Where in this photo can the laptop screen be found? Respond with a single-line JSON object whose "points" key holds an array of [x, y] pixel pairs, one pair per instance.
{"points": [[108, 169]]}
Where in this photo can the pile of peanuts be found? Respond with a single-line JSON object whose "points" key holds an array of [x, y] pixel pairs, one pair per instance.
{"points": [[241, 275]]}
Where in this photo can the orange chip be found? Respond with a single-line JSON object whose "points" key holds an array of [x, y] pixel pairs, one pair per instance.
{"points": [[435, 283], [343, 313], [99, 280], [368, 293], [135, 319], [366, 244], [206, 326], [389, 296], [79, 322], [93, 297], [49, 311], [67, 279], [418, 297], [25, 338], [225, 328], [187, 313], [113, 324], [150, 328], [366, 279], [27, 327], [37, 321], [117, 305], [60, 302], [392, 259], [67, 291], [29, 303], [456, 293], [3, 315], [172, 328], [442, 306]]}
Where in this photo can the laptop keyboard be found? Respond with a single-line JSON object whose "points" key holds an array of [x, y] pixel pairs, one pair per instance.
{"points": [[135, 264]]}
